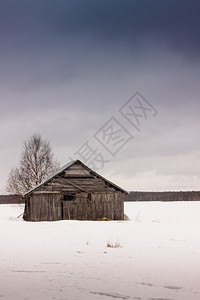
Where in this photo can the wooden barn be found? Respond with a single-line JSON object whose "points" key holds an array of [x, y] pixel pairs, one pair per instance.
{"points": [[74, 192]]}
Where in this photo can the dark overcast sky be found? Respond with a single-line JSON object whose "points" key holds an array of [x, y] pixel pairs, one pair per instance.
{"points": [[66, 67]]}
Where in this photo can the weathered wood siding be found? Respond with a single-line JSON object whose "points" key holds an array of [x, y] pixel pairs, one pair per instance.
{"points": [[101, 205], [94, 198], [76, 179], [43, 207]]}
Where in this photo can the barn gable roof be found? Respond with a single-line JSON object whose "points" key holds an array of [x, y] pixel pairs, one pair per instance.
{"points": [[59, 171]]}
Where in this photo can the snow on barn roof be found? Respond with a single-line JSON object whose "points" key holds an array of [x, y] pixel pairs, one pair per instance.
{"points": [[63, 168]]}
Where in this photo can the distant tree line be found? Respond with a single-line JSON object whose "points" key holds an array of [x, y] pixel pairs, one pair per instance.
{"points": [[163, 196], [10, 199], [133, 196]]}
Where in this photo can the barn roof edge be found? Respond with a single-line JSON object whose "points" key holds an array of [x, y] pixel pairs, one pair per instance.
{"points": [[66, 166]]}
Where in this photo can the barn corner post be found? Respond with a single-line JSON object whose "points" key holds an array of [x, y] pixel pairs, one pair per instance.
{"points": [[74, 192], [26, 210], [119, 202]]}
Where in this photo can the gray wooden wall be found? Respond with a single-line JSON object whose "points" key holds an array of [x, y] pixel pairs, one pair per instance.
{"points": [[52, 207], [109, 205]]}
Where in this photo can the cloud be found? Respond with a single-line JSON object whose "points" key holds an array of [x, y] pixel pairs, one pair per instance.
{"points": [[33, 24], [68, 66]]}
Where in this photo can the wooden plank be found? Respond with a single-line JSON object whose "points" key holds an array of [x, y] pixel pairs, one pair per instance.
{"points": [[77, 171], [77, 186], [46, 192], [87, 185]]}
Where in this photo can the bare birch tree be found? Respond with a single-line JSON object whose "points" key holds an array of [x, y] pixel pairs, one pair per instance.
{"points": [[36, 162]]}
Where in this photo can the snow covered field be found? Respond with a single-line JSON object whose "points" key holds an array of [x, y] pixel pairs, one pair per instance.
{"points": [[159, 257]]}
